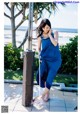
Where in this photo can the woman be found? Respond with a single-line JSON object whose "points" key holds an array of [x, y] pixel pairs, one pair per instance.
{"points": [[50, 57]]}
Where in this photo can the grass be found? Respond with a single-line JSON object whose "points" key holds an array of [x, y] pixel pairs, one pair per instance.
{"points": [[66, 79], [18, 75], [13, 75]]}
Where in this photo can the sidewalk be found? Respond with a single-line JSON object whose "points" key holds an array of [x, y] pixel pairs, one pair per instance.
{"points": [[60, 101]]}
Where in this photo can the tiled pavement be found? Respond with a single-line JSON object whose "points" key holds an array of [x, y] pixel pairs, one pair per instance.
{"points": [[60, 101]]}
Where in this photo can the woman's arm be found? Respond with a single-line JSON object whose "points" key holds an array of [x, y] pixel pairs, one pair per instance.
{"points": [[55, 39], [39, 44]]}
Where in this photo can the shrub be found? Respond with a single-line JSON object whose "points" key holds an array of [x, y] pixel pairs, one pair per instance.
{"points": [[36, 64], [69, 57], [12, 57]]}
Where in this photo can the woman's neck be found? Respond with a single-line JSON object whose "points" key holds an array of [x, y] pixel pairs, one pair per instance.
{"points": [[45, 34]]}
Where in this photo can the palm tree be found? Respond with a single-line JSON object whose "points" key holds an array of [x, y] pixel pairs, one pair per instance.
{"points": [[21, 7]]}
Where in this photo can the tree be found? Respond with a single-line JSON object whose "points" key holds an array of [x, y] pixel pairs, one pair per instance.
{"points": [[21, 7], [11, 6]]}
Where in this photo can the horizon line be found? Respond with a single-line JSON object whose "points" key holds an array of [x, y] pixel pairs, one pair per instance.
{"points": [[23, 28]]}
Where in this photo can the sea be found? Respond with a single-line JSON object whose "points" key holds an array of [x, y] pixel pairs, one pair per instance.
{"points": [[64, 36]]}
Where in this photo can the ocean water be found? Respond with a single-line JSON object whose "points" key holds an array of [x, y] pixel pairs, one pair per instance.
{"points": [[64, 36]]}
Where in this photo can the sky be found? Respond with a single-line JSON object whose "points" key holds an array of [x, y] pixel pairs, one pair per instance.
{"points": [[65, 17]]}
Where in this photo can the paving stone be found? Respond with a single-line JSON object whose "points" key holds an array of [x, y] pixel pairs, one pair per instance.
{"points": [[57, 109], [70, 104], [57, 102], [12, 91], [60, 101], [71, 110], [43, 108], [11, 103], [71, 101], [20, 107], [55, 92], [69, 93]]}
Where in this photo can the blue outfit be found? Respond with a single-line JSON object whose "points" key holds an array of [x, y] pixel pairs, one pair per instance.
{"points": [[51, 62]]}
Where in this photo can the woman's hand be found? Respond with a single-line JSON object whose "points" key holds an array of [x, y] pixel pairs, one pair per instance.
{"points": [[49, 33], [56, 36], [55, 39]]}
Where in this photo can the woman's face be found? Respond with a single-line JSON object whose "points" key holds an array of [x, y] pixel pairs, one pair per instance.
{"points": [[46, 29]]}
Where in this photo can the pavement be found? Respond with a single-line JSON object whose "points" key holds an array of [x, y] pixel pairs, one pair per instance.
{"points": [[60, 101]]}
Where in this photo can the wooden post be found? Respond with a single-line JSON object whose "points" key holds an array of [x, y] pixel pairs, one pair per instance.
{"points": [[28, 76]]}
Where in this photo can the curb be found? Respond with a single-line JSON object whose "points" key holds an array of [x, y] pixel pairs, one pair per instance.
{"points": [[59, 86]]}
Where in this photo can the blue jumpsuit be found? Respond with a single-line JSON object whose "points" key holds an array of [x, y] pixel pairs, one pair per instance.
{"points": [[51, 62]]}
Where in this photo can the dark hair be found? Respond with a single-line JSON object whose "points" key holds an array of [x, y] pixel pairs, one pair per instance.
{"points": [[43, 23]]}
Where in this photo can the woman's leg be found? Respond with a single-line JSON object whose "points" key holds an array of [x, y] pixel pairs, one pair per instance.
{"points": [[41, 77], [50, 77], [41, 74], [53, 69]]}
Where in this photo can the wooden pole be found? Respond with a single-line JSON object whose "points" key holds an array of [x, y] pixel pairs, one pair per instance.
{"points": [[28, 73], [28, 76]]}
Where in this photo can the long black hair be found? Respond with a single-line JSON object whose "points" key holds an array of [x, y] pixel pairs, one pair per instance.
{"points": [[43, 23]]}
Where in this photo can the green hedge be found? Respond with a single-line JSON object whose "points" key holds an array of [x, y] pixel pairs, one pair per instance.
{"points": [[12, 57], [69, 54]]}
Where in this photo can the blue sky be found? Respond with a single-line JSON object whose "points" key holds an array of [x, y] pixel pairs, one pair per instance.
{"points": [[65, 17]]}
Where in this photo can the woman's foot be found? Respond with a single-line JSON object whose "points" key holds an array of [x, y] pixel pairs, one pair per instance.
{"points": [[38, 102], [45, 95], [38, 99]]}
